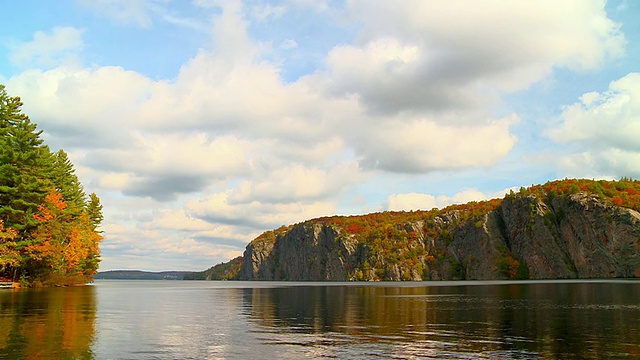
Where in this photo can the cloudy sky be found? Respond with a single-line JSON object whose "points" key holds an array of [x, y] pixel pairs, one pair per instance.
{"points": [[201, 124]]}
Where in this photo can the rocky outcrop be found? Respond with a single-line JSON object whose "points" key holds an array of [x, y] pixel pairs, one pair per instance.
{"points": [[526, 236], [574, 237], [308, 251]]}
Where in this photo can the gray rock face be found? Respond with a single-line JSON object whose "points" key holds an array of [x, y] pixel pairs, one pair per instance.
{"points": [[309, 251], [577, 236]]}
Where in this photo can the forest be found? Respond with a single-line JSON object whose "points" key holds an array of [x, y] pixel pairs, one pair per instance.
{"points": [[49, 227]]}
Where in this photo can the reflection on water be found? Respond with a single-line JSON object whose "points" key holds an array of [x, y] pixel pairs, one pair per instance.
{"points": [[259, 320], [548, 320], [47, 323]]}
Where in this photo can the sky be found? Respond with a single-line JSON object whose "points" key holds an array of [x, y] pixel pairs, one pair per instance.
{"points": [[201, 124]]}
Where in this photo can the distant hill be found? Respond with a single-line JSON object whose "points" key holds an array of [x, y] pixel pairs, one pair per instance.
{"points": [[141, 275], [222, 271], [572, 228]]}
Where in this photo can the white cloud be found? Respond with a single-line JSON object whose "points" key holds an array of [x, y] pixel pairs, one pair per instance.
{"points": [[219, 208], [177, 220], [170, 166], [419, 201], [296, 183], [83, 107], [467, 196], [605, 127], [267, 12], [60, 46], [422, 145], [438, 56], [609, 119], [411, 201]]}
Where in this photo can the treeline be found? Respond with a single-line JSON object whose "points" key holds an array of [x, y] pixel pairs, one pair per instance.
{"points": [[141, 275], [222, 271], [48, 226]]}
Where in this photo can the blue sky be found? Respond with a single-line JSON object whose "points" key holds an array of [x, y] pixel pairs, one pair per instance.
{"points": [[201, 124]]}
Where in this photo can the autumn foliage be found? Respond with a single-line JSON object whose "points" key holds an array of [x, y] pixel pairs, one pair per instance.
{"points": [[48, 226], [62, 243]]}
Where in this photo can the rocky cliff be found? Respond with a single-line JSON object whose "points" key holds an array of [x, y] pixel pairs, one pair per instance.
{"points": [[558, 230]]}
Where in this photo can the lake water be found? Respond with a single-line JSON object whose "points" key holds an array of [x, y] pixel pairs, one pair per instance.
{"points": [[264, 320]]}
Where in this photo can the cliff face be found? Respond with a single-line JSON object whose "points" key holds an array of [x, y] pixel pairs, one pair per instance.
{"points": [[524, 236], [308, 251], [574, 237]]}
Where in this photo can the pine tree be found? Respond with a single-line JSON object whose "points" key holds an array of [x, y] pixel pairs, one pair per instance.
{"points": [[94, 211], [24, 165], [67, 183]]}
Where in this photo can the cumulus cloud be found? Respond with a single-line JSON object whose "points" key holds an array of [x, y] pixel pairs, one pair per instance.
{"points": [[163, 166], [122, 249], [84, 107], [177, 220], [296, 183], [433, 56], [59, 46], [420, 201], [411, 201], [423, 145], [605, 127], [219, 208]]}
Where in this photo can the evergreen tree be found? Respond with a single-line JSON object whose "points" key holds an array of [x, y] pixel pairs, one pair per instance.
{"points": [[94, 211], [48, 226], [24, 165], [67, 183]]}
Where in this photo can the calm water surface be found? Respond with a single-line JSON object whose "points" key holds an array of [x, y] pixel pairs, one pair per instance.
{"points": [[264, 320]]}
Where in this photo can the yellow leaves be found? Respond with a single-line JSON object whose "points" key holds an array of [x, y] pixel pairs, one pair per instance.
{"points": [[7, 233]]}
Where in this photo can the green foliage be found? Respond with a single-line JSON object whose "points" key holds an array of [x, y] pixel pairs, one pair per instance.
{"points": [[53, 226], [223, 271], [25, 165], [456, 268]]}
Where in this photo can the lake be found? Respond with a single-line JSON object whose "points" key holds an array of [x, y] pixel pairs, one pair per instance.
{"points": [[279, 320]]}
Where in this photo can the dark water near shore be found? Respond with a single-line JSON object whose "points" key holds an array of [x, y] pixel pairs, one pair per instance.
{"points": [[259, 320]]}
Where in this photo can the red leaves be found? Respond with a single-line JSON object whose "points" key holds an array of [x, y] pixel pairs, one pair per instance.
{"points": [[354, 228]]}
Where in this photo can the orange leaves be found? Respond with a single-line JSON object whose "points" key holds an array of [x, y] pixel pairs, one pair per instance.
{"points": [[53, 205], [74, 251], [63, 242]]}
